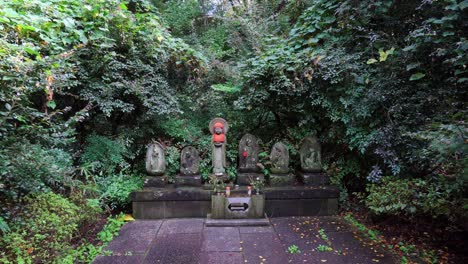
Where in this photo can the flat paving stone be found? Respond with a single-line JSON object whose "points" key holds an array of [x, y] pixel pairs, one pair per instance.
{"points": [[175, 248], [182, 226], [189, 241], [221, 257], [256, 229], [134, 237], [263, 248], [118, 259], [221, 239]]}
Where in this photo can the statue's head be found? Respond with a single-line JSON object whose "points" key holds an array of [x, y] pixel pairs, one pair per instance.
{"points": [[218, 128]]}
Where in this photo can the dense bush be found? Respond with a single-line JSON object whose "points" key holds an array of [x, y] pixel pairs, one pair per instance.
{"points": [[104, 154], [49, 223], [114, 190], [417, 197]]}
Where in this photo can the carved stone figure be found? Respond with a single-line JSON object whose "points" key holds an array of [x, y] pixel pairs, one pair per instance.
{"points": [[189, 161], [311, 155], [218, 128], [248, 153], [155, 160], [279, 158]]}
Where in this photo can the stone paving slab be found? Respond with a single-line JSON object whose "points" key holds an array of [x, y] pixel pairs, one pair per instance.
{"points": [[263, 248], [221, 257], [134, 238], [221, 239], [175, 248], [190, 241], [182, 226]]}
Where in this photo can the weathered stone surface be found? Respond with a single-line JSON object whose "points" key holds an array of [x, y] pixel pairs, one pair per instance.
{"points": [[155, 160], [221, 257], [251, 222], [263, 248], [155, 181], [279, 158], [256, 229], [175, 248], [248, 153], [118, 259], [244, 178], [181, 226], [311, 155], [155, 203], [189, 180], [221, 239], [314, 178], [135, 237], [189, 160], [287, 179]]}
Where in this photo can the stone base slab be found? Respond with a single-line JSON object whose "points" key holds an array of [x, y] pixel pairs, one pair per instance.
{"points": [[157, 203], [243, 178], [314, 178], [155, 181], [236, 222], [287, 179], [188, 180]]}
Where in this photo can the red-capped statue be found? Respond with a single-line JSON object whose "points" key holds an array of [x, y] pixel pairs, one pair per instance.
{"points": [[219, 127]]}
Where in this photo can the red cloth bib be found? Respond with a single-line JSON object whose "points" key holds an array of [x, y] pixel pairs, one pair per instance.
{"points": [[218, 138]]}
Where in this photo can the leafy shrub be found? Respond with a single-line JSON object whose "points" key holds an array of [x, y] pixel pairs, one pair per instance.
{"points": [[105, 154], [49, 223], [115, 190], [411, 197], [29, 168]]}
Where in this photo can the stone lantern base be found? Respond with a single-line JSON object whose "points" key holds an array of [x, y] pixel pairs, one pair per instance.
{"points": [[284, 179]]}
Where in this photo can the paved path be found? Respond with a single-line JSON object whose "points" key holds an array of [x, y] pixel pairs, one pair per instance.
{"points": [[189, 241]]}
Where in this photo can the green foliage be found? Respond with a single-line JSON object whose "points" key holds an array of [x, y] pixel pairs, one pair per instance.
{"points": [[29, 168], [324, 248], [411, 197], [115, 190], [49, 223], [293, 249], [179, 15], [104, 154]]}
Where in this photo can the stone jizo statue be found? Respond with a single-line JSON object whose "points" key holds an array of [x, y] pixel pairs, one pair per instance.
{"points": [[279, 158], [311, 155], [155, 160], [218, 128], [248, 153], [189, 160]]}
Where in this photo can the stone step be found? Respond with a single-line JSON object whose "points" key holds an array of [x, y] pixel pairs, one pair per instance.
{"points": [[236, 222]]}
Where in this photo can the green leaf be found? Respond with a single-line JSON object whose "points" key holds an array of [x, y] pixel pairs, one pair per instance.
{"points": [[417, 76], [123, 6], [372, 61], [51, 104], [8, 106], [463, 4], [31, 51]]}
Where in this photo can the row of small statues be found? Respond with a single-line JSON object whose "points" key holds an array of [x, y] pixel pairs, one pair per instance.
{"points": [[310, 155]]}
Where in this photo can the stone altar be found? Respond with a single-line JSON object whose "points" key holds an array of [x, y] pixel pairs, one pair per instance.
{"points": [[311, 163], [248, 160], [155, 166], [279, 158], [189, 168]]}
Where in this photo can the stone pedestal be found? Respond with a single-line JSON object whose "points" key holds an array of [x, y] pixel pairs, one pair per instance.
{"points": [[243, 178], [188, 180], [155, 181], [284, 179], [237, 207], [314, 178]]}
